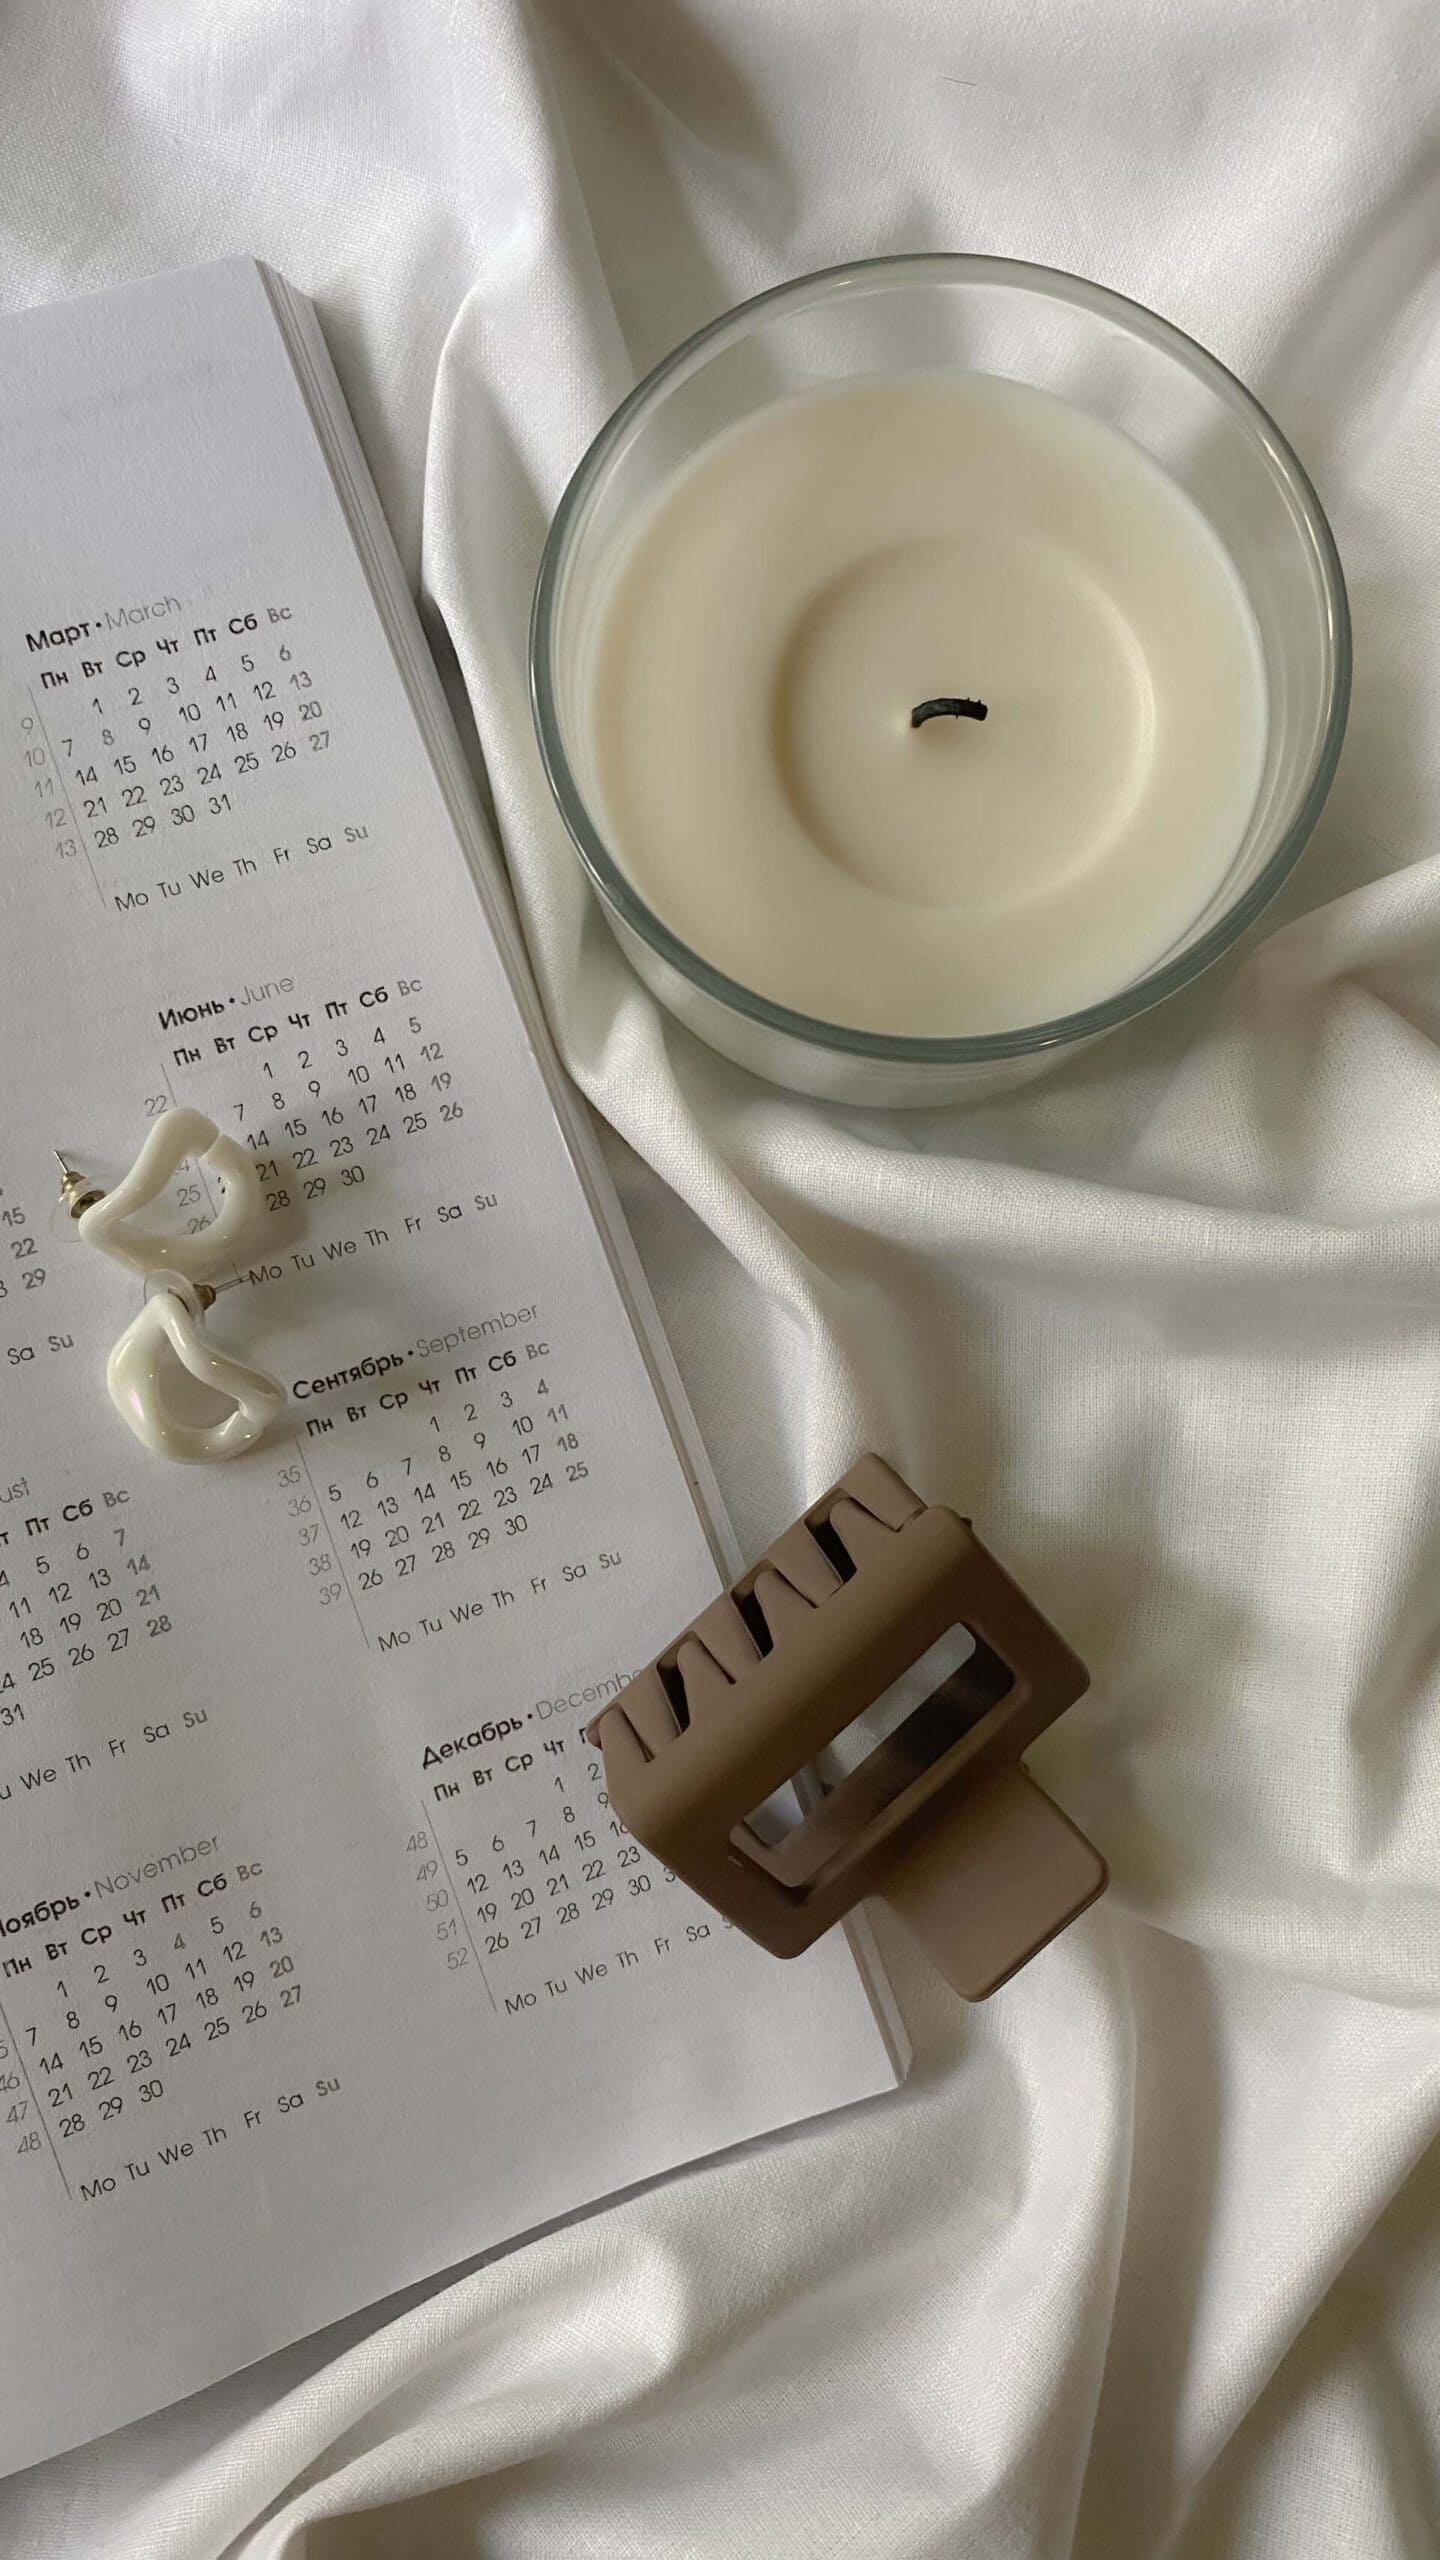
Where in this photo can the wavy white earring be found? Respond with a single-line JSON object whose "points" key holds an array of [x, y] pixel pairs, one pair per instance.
{"points": [[170, 1323], [169, 1328], [176, 1135]]}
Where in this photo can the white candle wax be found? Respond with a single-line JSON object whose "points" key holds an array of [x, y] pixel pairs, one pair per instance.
{"points": [[815, 573]]}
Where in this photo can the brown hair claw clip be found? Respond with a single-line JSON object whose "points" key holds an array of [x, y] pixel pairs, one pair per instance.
{"points": [[872, 1600]]}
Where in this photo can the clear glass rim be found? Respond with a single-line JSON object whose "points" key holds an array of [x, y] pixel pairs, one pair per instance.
{"points": [[618, 893]]}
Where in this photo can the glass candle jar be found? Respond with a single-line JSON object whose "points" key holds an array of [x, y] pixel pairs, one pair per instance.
{"points": [[771, 547]]}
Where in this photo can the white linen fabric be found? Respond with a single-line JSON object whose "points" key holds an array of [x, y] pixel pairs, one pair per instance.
{"points": [[1144, 2259]]}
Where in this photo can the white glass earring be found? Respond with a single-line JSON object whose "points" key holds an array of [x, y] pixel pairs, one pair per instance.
{"points": [[170, 1324], [169, 1327], [175, 1135]]}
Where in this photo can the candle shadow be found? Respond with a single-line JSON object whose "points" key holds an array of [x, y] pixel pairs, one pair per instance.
{"points": [[1353, 307], [1323, 376]]}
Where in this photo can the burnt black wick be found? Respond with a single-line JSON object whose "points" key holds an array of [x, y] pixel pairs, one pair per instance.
{"points": [[947, 706]]}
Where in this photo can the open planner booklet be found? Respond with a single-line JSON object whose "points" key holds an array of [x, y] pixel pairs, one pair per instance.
{"points": [[323, 1963]]}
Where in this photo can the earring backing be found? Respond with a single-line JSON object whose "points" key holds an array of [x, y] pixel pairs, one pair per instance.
{"points": [[169, 1328]]}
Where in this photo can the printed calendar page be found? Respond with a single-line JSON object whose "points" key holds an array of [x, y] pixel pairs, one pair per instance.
{"points": [[323, 1962]]}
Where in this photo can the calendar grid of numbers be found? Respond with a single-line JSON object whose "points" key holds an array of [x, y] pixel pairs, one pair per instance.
{"points": [[310, 1893]]}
